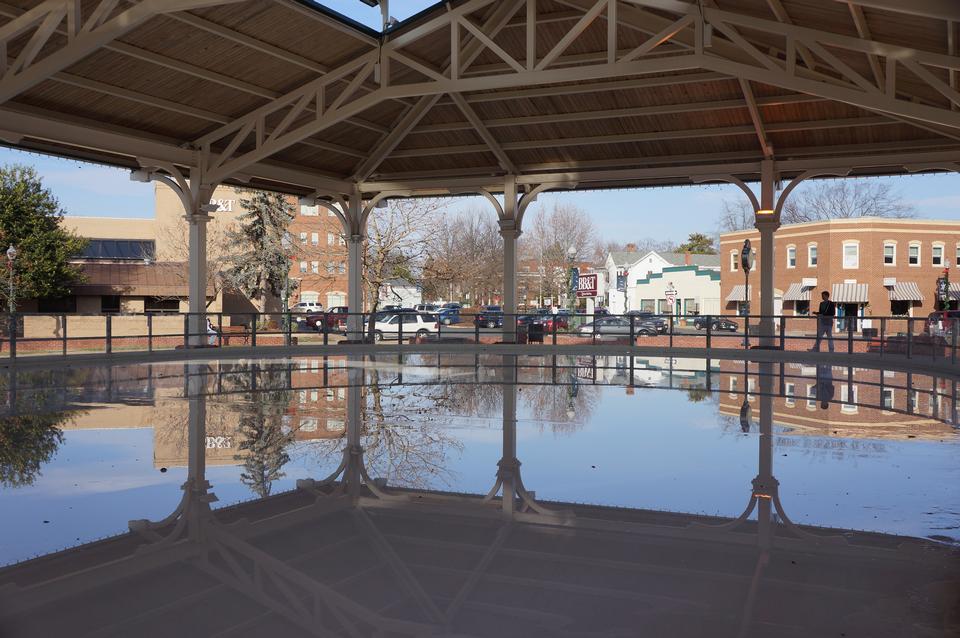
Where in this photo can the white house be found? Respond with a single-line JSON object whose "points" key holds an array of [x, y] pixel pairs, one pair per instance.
{"points": [[693, 289], [400, 293], [625, 268]]}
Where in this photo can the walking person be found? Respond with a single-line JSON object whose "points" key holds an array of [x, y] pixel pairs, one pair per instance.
{"points": [[825, 315], [212, 333]]}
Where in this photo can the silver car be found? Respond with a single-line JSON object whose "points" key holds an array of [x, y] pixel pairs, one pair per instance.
{"points": [[617, 326]]}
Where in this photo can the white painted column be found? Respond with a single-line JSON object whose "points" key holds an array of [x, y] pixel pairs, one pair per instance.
{"points": [[197, 278], [765, 481], [767, 223], [355, 266], [510, 231], [509, 464]]}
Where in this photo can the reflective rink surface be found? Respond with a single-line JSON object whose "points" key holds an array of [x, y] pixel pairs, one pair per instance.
{"points": [[358, 497]]}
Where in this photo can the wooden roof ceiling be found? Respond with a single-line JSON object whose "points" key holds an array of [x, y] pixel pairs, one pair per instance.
{"points": [[179, 76]]}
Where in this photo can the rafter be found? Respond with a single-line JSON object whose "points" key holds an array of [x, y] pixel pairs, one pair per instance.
{"points": [[99, 29], [505, 162], [751, 101]]}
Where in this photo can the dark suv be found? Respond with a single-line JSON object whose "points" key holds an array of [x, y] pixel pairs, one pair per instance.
{"points": [[489, 317], [645, 316]]}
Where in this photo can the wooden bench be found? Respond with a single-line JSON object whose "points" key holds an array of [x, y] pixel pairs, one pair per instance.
{"points": [[234, 335]]}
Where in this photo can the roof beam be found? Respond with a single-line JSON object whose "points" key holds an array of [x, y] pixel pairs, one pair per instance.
{"points": [[782, 16], [484, 133], [942, 9], [462, 58], [860, 21], [765, 145], [98, 31]]}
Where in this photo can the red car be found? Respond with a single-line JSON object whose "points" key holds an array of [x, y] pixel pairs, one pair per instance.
{"points": [[334, 320]]}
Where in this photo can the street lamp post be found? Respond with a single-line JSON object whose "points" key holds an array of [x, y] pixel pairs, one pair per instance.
{"points": [[745, 254], [11, 299], [571, 256]]}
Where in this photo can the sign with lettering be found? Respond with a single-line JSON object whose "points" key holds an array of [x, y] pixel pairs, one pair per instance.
{"points": [[223, 205], [587, 285]]}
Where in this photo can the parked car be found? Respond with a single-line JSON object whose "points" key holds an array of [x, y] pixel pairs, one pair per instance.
{"points": [[617, 326], [716, 323], [390, 307], [644, 315], [489, 317], [413, 324], [546, 318], [426, 307], [336, 318], [307, 306], [448, 316], [453, 305]]}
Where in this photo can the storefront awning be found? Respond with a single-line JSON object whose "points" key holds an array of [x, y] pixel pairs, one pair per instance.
{"points": [[849, 293], [955, 291], [905, 291], [737, 293], [797, 292]]}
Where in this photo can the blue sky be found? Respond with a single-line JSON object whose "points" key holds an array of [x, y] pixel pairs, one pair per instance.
{"points": [[622, 215]]}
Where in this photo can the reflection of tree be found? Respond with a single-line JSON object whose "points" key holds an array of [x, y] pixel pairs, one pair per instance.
{"points": [[698, 395], [26, 443], [404, 434], [265, 438], [264, 443]]}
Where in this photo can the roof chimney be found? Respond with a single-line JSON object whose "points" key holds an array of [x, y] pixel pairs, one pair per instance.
{"points": [[631, 248]]}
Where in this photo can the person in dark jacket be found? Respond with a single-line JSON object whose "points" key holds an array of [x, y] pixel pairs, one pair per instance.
{"points": [[825, 314]]}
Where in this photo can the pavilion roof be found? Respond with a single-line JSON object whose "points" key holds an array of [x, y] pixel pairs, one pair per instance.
{"points": [[287, 94]]}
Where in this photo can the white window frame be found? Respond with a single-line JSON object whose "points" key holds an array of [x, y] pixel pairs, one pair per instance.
{"points": [[315, 267], [893, 399], [813, 255], [789, 394], [791, 250], [303, 238], [733, 387], [303, 267], [734, 263], [850, 242], [943, 253], [848, 398], [919, 247], [329, 239], [811, 396], [893, 244], [315, 239]]}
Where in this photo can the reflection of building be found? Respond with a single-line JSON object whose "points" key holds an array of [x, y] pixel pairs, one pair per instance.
{"points": [[864, 404], [313, 412], [871, 266], [139, 264]]}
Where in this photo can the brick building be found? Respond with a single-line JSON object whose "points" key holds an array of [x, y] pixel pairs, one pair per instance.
{"points": [[318, 264], [873, 267]]}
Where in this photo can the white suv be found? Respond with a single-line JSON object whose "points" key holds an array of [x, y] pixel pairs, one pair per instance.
{"points": [[415, 324], [307, 306]]}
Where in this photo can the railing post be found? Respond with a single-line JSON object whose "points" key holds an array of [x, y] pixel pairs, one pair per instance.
{"points": [[220, 328], [953, 339], [746, 331], [287, 337], [186, 330], [13, 335], [633, 340], [909, 336], [63, 331], [150, 332], [849, 336], [709, 330], [671, 330], [399, 329], [109, 344], [783, 332], [556, 320], [326, 331], [883, 335], [476, 329], [253, 331]]}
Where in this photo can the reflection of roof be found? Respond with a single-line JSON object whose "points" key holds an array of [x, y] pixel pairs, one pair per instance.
{"points": [[162, 279], [452, 565]]}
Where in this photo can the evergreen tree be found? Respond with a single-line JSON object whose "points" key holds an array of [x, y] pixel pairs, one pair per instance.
{"points": [[259, 267], [30, 220], [265, 445], [698, 244]]}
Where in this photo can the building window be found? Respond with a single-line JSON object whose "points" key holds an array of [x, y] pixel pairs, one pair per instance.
{"points": [[900, 308], [791, 256], [303, 238], [913, 256], [936, 254], [648, 305], [161, 304], [342, 268], [811, 396], [335, 299], [742, 308], [789, 392], [109, 303], [58, 304], [956, 261], [802, 308], [887, 399], [851, 255], [341, 241], [303, 266], [733, 386], [889, 254], [812, 255], [329, 239], [330, 213], [315, 239], [315, 267], [330, 267], [734, 262]]}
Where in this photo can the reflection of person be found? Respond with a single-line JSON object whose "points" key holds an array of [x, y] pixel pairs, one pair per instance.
{"points": [[212, 332], [825, 389], [825, 314]]}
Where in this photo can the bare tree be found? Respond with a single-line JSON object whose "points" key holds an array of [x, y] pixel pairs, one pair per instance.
{"points": [[398, 244], [466, 257], [174, 239], [844, 199], [736, 215], [548, 237]]}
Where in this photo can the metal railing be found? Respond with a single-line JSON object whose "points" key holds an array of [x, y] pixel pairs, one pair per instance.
{"points": [[25, 334]]}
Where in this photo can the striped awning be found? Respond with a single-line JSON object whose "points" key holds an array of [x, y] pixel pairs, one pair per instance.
{"points": [[905, 291], [737, 293], [797, 292], [849, 293], [955, 291]]}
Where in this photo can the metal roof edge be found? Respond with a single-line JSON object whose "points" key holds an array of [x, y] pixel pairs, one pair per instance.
{"points": [[315, 5]]}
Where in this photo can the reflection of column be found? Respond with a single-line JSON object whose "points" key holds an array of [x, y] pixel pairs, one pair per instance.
{"points": [[765, 485], [194, 507]]}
